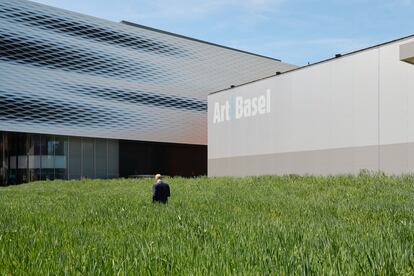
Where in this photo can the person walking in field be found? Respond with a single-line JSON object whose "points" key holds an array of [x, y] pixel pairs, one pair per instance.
{"points": [[160, 190]]}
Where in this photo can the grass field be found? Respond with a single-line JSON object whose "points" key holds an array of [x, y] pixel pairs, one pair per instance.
{"points": [[264, 225]]}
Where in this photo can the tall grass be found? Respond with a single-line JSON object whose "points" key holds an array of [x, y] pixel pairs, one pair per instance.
{"points": [[254, 225]]}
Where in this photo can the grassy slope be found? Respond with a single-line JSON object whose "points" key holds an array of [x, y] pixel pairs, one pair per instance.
{"points": [[219, 225]]}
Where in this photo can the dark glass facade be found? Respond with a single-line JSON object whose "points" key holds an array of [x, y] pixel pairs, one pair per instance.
{"points": [[26, 157], [3, 159], [137, 158], [29, 157]]}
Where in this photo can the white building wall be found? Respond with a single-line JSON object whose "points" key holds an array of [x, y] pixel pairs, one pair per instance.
{"points": [[339, 116]]}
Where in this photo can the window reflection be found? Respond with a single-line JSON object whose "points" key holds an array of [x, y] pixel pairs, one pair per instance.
{"points": [[30, 157], [18, 162], [34, 157], [60, 146], [47, 157]]}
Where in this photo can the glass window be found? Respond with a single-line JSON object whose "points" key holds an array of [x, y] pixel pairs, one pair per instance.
{"points": [[47, 160], [4, 158], [61, 153], [34, 157], [2, 163], [20, 155], [74, 158]]}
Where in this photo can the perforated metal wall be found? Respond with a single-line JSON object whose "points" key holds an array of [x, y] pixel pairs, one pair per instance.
{"points": [[69, 74]]}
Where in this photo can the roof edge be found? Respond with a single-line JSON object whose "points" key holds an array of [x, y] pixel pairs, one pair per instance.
{"points": [[194, 39], [128, 23], [319, 62]]}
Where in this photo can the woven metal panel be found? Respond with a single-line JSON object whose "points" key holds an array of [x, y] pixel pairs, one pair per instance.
{"points": [[70, 74]]}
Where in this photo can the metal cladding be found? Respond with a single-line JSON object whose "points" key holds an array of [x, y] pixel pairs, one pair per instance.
{"points": [[69, 74]]}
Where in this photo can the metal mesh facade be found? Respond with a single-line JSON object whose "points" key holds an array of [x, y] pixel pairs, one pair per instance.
{"points": [[65, 73]]}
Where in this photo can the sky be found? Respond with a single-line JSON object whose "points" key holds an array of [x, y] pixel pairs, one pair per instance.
{"points": [[297, 32]]}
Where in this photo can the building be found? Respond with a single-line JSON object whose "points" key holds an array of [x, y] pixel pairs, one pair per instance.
{"points": [[349, 113], [86, 97]]}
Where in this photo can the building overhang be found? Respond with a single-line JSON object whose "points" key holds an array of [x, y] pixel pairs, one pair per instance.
{"points": [[407, 52]]}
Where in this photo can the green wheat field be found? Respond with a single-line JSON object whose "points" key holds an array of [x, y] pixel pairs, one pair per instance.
{"points": [[212, 226]]}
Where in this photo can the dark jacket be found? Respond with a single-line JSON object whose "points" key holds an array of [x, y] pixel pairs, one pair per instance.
{"points": [[160, 192]]}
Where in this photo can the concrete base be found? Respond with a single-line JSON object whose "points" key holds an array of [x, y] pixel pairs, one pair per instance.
{"points": [[391, 159]]}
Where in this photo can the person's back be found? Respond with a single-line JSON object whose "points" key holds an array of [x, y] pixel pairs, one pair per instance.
{"points": [[160, 190]]}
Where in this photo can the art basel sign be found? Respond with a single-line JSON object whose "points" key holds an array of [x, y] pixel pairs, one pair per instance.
{"points": [[241, 107]]}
